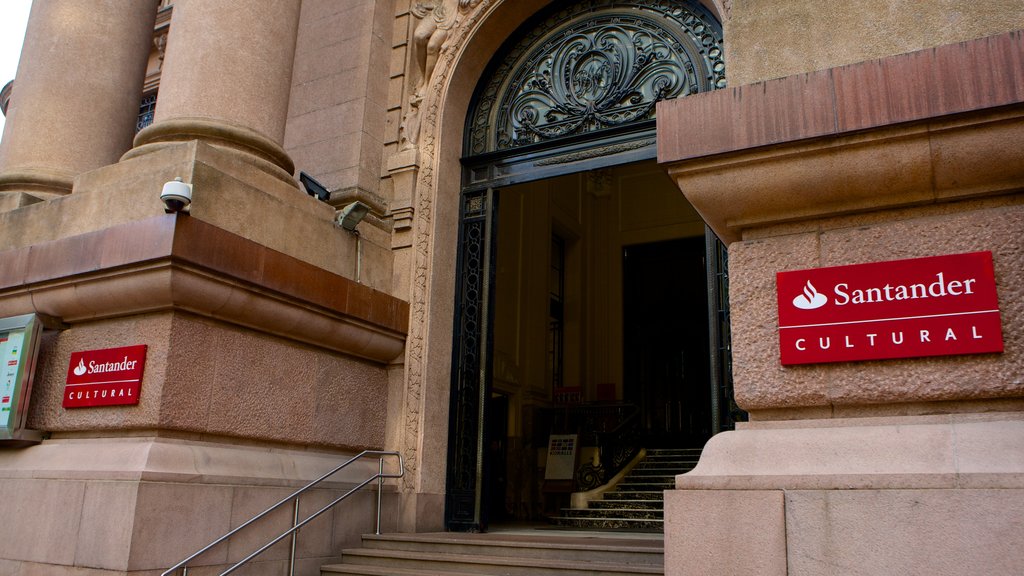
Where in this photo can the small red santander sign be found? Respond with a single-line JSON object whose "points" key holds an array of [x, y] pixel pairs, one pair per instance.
{"points": [[108, 377], [937, 306]]}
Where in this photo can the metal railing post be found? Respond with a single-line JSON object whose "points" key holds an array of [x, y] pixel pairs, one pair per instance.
{"points": [[380, 488], [295, 538], [296, 523]]}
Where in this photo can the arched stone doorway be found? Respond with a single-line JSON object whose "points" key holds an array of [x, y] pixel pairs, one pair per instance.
{"points": [[572, 95]]}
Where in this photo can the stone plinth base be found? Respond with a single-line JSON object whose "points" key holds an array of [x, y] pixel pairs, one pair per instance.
{"points": [[911, 495], [139, 505], [725, 532]]}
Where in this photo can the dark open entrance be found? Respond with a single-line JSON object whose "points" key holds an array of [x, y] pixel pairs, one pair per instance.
{"points": [[665, 339], [562, 131], [589, 310]]}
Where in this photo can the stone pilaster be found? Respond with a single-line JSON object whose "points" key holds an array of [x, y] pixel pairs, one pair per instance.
{"points": [[76, 98], [403, 168]]}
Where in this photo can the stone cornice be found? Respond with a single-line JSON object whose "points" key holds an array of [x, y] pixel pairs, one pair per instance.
{"points": [[928, 126], [177, 262]]}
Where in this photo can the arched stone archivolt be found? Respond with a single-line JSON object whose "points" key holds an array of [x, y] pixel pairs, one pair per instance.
{"points": [[442, 103], [593, 66]]}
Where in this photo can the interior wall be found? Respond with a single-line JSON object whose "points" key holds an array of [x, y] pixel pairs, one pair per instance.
{"points": [[597, 214]]}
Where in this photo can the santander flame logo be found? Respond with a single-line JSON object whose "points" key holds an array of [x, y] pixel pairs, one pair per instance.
{"points": [[810, 299], [80, 369]]}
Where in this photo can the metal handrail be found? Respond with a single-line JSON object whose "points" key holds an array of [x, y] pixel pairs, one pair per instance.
{"points": [[293, 531]]}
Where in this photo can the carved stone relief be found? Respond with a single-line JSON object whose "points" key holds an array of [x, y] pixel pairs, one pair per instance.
{"points": [[429, 105], [435, 19]]}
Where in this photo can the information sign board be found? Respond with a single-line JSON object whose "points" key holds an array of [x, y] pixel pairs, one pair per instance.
{"points": [[107, 377], [19, 348], [935, 306], [561, 462]]}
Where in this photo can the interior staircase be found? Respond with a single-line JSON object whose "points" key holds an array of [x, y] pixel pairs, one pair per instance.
{"points": [[635, 505], [548, 553], [638, 502]]}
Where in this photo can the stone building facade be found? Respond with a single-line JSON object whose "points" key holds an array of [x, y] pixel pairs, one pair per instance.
{"points": [[279, 343]]}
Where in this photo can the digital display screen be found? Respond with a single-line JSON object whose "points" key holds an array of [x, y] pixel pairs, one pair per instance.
{"points": [[19, 348], [11, 345]]}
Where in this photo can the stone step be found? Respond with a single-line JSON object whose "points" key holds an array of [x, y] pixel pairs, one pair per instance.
{"points": [[633, 504], [676, 469], [672, 457], [359, 570], [656, 483], [662, 459], [644, 475], [681, 453], [439, 563], [645, 472], [646, 486], [686, 457], [674, 464], [628, 513], [551, 546], [591, 523], [633, 495]]}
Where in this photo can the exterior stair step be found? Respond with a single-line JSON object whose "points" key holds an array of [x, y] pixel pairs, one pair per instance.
{"points": [[358, 570], [450, 554], [504, 565], [550, 545]]}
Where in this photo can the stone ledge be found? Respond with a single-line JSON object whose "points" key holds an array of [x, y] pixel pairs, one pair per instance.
{"points": [[972, 155], [174, 460], [138, 505], [176, 262], [922, 85], [875, 135], [898, 453]]}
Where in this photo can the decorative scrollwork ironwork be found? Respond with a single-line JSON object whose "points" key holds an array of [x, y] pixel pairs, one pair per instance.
{"points": [[595, 65], [595, 152], [589, 476], [464, 446]]}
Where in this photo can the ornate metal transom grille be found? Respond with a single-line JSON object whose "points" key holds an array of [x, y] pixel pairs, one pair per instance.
{"points": [[595, 65]]}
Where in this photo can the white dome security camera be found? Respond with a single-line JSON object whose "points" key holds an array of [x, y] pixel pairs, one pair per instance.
{"points": [[176, 196]]}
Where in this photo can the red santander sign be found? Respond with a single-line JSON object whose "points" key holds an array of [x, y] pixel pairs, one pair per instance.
{"points": [[937, 306], [108, 377]]}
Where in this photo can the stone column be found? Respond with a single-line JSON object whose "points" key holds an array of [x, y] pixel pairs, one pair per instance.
{"points": [[226, 79], [76, 98]]}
